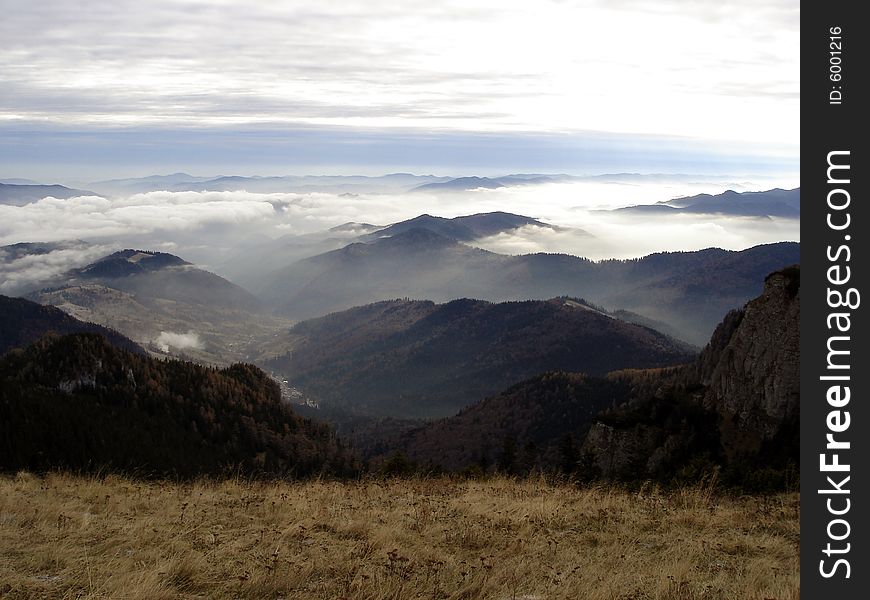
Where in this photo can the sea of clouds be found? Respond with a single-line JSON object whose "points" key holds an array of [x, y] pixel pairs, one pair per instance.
{"points": [[209, 228]]}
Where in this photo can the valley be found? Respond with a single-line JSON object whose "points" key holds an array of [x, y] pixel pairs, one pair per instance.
{"points": [[423, 352]]}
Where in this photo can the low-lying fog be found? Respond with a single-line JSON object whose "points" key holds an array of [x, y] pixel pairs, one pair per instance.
{"points": [[214, 228]]}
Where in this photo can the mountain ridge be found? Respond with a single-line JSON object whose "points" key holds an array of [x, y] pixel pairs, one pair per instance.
{"points": [[463, 228], [689, 291], [77, 402], [23, 194], [23, 322], [776, 202], [407, 358]]}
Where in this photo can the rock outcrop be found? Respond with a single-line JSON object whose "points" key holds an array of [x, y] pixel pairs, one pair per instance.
{"points": [[754, 386], [737, 404]]}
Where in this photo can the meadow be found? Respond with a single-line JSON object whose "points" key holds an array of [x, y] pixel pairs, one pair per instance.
{"points": [[68, 536]]}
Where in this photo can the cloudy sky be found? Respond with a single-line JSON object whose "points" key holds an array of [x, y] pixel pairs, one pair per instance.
{"points": [[101, 89]]}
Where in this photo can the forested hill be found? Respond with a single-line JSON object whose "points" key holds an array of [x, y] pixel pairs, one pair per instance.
{"points": [[413, 359], [22, 322], [77, 402], [734, 410]]}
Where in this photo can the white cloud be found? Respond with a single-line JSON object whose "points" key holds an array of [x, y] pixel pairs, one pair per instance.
{"points": [[178, 341], [621, 236], [19, 274], [90, 217]]}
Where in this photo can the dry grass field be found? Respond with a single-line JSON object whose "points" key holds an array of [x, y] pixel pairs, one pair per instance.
{"points": [[74, 537]]}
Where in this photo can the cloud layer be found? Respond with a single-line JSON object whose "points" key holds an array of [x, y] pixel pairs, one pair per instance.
{"points": [[211, 228], [17, 274]]}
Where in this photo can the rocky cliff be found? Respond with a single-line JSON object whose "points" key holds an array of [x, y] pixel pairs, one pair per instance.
{"points": [[754, 383], [736, 406]]}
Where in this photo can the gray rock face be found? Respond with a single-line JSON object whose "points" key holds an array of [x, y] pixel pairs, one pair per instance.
{"points": [[739, 395], [754, 386]]}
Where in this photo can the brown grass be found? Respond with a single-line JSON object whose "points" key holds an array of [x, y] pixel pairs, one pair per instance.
{"points": [[73, 537]]}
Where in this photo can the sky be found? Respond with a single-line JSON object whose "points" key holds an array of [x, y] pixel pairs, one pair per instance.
{"points": [[93, 90]]}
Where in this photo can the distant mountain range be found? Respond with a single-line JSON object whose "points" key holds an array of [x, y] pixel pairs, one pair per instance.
{"points": [[427, 257], [464, 229], [20, 181], [161, 275], [14, 252], [417, 263], [689, 291], [167, 305], [464, 184], [461, 184], [129, 263], [23, 194], [772, 203], [393, 182], [251, 266], [421, 359], [181, 182]]}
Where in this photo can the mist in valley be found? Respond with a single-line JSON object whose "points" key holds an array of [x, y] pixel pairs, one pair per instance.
{"points": [[222, 270], [245, 235]]}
